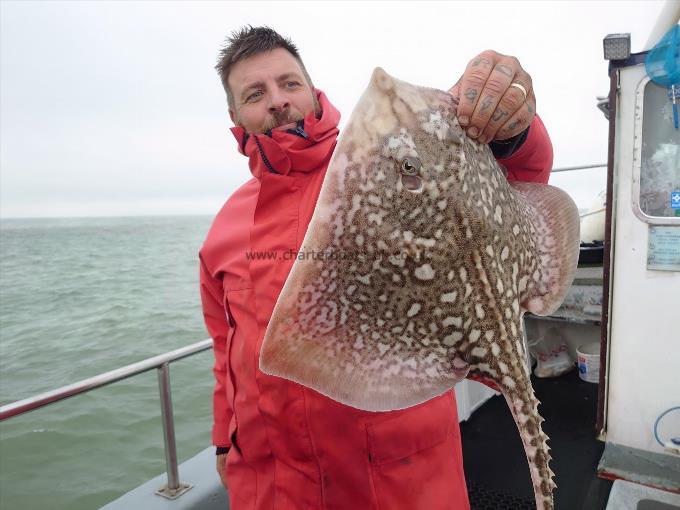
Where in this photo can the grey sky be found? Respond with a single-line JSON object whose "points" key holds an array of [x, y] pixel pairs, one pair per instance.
{"points": [[114, 108]]}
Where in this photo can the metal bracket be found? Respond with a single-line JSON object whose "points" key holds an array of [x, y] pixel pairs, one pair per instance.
{"points": [[169, 493]]}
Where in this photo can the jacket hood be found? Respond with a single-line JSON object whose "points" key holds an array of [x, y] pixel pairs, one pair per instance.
{"points": [[301, 150]]}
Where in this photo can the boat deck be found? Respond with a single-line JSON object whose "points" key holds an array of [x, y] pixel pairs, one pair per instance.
{"points": [[496, 468]]}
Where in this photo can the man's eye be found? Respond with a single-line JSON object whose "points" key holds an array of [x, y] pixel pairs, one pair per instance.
{"points": [[253, 96], [292, 84]]}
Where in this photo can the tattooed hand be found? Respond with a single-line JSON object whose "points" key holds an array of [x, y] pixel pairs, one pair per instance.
{"points": [[489, 109]]}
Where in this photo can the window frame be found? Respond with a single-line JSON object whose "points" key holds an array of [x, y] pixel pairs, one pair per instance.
{"points": [[637, 162]]}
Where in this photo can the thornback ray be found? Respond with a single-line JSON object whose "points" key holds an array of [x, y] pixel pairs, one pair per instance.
{"points": [[417, 266]]}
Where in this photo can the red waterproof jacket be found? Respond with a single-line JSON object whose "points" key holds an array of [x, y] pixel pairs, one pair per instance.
{"points": [[290, 447]]}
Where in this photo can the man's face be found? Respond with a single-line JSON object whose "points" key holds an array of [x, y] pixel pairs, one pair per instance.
{"points": [[270, 92]]}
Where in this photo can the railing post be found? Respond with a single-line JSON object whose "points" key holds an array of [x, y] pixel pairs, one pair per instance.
{"points": [[174, 488]]}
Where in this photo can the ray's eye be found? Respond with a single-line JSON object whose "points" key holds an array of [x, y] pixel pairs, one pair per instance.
{"points": [[410, 166]]}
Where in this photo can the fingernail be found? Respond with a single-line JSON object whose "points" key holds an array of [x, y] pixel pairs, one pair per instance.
{"points": [[463, 121], [473, 131], [482, 139]]}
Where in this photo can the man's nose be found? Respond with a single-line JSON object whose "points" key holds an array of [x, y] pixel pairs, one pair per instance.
{"points": [[278, 102]]}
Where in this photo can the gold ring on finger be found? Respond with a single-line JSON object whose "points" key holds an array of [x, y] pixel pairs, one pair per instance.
{"points": [[520, 87]]}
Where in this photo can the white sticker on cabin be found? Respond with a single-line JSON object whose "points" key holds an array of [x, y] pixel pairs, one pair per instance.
{"points": [[663, 249]]}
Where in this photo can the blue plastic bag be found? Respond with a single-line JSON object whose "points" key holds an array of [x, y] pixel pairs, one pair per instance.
{"points": [[663, 66]]}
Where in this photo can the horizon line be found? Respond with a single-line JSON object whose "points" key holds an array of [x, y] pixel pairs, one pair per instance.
{"points": [[4, 218]]}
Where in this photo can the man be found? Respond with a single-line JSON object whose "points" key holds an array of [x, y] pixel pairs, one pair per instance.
{"points": [[281, 445]]}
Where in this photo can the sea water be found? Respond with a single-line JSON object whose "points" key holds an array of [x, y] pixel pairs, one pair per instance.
{"points": [[78, 297]]}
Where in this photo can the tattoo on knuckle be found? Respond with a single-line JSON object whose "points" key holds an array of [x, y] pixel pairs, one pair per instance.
{"points": [[503, 69], [471, 95], [486, 103], [515, 124], [499, 114], [480, 61]]}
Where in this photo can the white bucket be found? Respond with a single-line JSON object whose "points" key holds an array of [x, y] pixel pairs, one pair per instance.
{"points": [[589, 362]]}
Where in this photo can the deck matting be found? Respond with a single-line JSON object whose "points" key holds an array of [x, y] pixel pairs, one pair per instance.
{"points": [[496, 468]]}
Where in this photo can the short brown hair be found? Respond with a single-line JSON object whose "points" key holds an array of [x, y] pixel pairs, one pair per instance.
{"points": [[247, 42]]}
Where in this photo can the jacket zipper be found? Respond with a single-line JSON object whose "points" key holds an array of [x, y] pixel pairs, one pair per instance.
{"points": [[264, 158]]}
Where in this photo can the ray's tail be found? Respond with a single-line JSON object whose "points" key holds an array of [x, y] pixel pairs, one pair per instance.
{"points": [[524, 407]]}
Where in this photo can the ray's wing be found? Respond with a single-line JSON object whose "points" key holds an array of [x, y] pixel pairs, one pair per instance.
{"points": [[555, 230]]}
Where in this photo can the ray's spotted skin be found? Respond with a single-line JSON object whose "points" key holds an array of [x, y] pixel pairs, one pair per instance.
{"points": [[418, 264]]}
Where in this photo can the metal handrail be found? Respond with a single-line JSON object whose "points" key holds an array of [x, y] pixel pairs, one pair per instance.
{"points": [[37, 401], [590, 213], [581, 167], [161, 362]]}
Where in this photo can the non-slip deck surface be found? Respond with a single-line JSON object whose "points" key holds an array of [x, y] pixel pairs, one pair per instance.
{"points": [[496, 468]]}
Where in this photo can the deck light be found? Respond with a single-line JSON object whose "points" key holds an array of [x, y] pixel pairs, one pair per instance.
{"points": [[616, 46]]}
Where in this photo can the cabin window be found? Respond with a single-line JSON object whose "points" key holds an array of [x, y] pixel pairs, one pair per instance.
{"points": [[659, 155]]}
